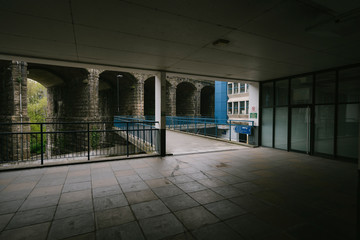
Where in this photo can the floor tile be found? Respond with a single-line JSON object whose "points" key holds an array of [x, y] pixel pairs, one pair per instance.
{"points": [[206, 196], [149, 209], [161, 226], [4, 220], [71, 226], [113, 217], [225, 209], [33, 232], [108, 202], [128, 231], [228, 191], [136, 186], [179, 202], [167, 191], [74, 208], [196, 217], [159, 182], [40, 202], [191, 186], [140, 196], [71, 187], [215, 232], [30, 217], [106, 191]]}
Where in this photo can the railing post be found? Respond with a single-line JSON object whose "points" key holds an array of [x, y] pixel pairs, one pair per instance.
{"points": [[127, 139], [88, 140], [230, 131], [42, 143]]}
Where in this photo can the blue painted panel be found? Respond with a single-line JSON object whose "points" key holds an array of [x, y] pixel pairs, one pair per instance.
{"points": [[221, 102], [244, 129]]}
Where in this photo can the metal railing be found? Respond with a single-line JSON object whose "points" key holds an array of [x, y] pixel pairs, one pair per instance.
{"points": [[56, 141], [205, 126]]}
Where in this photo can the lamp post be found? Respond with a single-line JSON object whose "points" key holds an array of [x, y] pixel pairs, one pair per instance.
{"points": [[118, 87]]}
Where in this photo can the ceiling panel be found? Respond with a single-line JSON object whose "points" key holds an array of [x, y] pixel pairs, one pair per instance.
{"points": [[122, 58], [56, 10], [144, 22], [131, 43]]}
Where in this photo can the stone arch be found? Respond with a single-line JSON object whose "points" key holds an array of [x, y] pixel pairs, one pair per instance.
{"points": [[185, 99], [207, 101], [116, 100], [149, 97]]}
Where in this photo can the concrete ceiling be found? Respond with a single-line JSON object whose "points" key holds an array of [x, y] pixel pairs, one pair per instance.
{"points": [[267, 38]]}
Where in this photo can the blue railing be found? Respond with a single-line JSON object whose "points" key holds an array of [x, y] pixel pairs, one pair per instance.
{"points": [[138, 131]]}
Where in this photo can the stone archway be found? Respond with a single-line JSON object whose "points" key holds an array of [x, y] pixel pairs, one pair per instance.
{"points": [[185, 99], [207, 101]]}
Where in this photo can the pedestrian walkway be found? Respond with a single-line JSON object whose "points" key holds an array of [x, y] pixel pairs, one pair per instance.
{"points": [[182, 143], [248, 193]]}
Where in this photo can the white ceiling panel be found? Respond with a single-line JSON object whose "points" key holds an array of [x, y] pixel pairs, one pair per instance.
{"points": [[144, 22], [268, 38], [55, 10], [131, 43]]}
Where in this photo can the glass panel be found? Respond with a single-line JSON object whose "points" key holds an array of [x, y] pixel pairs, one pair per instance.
{"points": [[325, 87], [236, 108], [242, 107], [247, 107], [281, 92], [242, 87], [300, 129], [267, 127], [349, 85], [230, 108], [236, 88], [267, 94], [301, 90], [281, 127], [348, 130], [324, 129], [229, 88]]}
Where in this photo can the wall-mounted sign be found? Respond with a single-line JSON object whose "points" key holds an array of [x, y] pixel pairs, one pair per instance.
{"points": [[253, 115], [244, 129]]}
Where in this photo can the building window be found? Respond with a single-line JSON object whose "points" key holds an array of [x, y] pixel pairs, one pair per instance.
{"points": [[229, 88], [236, 88], [247, 107], [236, 108], [242, 107], [230, 108], [243, 88]]}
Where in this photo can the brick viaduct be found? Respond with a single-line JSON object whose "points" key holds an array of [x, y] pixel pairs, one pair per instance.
{"points": [[78, 94]]}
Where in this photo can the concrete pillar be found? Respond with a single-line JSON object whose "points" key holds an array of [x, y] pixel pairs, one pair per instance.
{"points": [[254, 97], [93, 94], [160, 110]]}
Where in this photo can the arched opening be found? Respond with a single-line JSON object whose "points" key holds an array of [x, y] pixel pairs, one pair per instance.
{"points": [[149, 97], [119, 99], [207, 101], [185, 99]]}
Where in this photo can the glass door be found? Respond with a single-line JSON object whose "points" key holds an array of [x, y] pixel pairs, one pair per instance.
{"points": [[300, 129]]}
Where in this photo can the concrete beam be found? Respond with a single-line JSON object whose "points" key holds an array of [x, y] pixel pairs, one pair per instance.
{"points": [[160, 110]]}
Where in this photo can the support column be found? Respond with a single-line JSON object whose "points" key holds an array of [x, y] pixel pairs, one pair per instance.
{"points": [[197, 104], [171, 101], [13, 109], [93, 94], [254, 112], [139, 98], [160, 110]]}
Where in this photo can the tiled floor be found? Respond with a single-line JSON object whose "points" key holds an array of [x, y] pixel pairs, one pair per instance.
{"points": [[240, 194]]}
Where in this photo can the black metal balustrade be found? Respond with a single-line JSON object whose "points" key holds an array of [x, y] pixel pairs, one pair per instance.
{"points": [[54, 141]]}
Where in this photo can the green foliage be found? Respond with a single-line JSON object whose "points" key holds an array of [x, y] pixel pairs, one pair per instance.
{"points": [[37, 105], [94, 138]]}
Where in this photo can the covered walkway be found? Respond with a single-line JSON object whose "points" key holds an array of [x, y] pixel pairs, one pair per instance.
{"points": [[181, 143], [246, 193]]}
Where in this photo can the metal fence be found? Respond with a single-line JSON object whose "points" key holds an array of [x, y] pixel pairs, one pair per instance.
{"points": [[54, 141], [206, 126]]}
